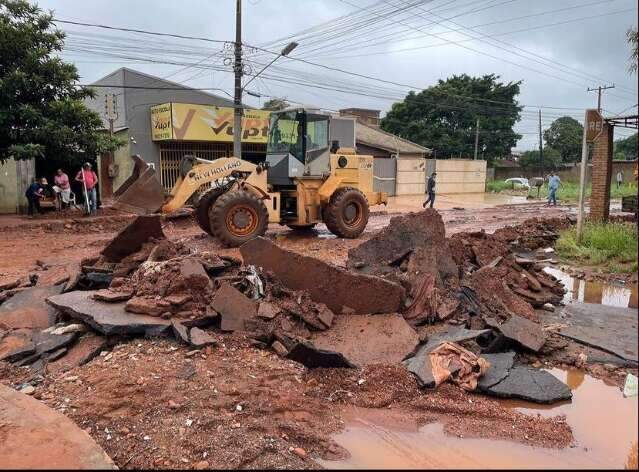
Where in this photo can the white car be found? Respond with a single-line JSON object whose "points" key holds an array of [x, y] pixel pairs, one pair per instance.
{"points": [[518, 181]]}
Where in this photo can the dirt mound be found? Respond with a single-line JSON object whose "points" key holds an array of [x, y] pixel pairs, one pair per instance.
{"points": [[534, 233]]}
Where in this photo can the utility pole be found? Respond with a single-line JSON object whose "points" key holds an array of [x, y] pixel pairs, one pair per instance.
{"points": [[476, 137], [598, 90], [237, 68], [541, 148]]}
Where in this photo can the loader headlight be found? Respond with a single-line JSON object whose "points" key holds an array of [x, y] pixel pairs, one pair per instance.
{"points": [[342, 161]]}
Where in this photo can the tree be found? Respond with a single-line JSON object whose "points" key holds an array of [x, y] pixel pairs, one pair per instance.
{"points": [[276, 104], [628, 148], [444, 116], [42, 113], [565, 135], [633, 40], [530, 159]]}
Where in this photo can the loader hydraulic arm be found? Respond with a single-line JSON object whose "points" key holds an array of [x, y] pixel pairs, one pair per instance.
{"points": [[205, 172]]}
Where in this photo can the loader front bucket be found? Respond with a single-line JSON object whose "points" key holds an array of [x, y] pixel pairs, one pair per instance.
{"points": [[142, 192]]}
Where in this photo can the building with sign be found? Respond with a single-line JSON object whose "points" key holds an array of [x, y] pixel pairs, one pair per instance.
{"points": [[161, 134]]}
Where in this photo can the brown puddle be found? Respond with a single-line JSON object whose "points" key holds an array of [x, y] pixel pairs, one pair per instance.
{"points": [[604, 425], [596, 292]]}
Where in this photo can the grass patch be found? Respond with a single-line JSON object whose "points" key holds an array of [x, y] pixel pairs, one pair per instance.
{"points": [[612, 246], [567, 192]]}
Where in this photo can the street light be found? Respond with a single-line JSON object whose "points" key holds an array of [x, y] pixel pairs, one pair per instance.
{"points": [[285, 52]]}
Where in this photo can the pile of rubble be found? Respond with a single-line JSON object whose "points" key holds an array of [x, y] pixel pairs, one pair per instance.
{"points": [[457, 309]]}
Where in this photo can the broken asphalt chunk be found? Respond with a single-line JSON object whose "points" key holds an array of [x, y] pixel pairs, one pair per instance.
{"points": [[111, 296], [524, 332], [328, 284], [107, 318], [233, 306], [310, 356], [86, 349], [200, 338], [132, 236], [500, 365], [27, 308], [180, 331], [530, 384]]}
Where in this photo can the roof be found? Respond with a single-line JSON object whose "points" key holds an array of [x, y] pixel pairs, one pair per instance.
{"points": [[158, 82], [377, 138]]}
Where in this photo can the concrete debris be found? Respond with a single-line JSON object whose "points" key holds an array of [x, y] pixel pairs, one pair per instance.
{"points": [[85, 350], [369, 339], [234, 307], [34, 428], [279, 348], [146, 306], [132, 236], [529, 384], [267, 310], [194, 275], [107, 318], [112, 296], [310, 356], [522, 331], [180, 331], [450, 361], [325, 283], [27, 308], [199, 338]]}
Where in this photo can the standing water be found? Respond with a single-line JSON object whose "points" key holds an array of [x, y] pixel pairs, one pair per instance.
{"points": [[596, 292], [604, 425]]}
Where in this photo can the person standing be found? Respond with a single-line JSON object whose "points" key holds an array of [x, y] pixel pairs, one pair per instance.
{"points": [[430, 188], [619, 178], [63, 187], [553, 184], [89, 180], [34, 194]]}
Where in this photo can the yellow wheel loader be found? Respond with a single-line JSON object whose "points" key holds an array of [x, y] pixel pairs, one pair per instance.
{"points": [[302, 182]]}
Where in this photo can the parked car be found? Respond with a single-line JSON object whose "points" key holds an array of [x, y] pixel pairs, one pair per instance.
{"points": [[518, 181]]}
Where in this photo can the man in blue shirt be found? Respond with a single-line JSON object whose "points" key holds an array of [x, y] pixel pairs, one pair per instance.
{"points": [[553, 184], [34, 193]]}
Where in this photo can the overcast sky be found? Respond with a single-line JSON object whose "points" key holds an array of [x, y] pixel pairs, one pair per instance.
{"points": [[408, 42]]}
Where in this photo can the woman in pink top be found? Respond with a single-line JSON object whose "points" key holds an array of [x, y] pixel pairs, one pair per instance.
{"points": [[62, 186], [90, 180]]}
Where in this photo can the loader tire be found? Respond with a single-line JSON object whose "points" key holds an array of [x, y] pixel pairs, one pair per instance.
{"points": [[346, 215], [203, 206], [237, 217]]}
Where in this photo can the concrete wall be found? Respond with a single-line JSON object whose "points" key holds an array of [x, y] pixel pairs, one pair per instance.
{"points": [[15, 178], [460, 176], [411, 178], [566, 174]]}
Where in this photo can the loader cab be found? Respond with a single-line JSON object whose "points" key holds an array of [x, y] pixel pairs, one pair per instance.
{"points": [[298, 146]]}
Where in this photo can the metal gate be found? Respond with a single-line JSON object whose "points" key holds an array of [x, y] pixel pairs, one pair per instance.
{"points": [[171, 153], [384, 175]]}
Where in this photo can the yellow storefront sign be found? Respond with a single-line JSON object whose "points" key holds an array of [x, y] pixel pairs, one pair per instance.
{"points": [[190, 122], [161, 128]]}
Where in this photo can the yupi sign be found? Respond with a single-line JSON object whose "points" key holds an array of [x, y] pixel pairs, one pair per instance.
{"points": [[594, 125]]}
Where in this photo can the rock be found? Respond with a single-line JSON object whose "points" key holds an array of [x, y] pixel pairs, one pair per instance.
{"points": [[178, 299], [194, 275], [202, 465], [325, 315], [267, 311], [82, 352], [524, 332], [144, 306], [180, 331], [279, 348], [34, 428], [325, 283], [108, 318], [233, 306], [28, 390], [94, 281], [420, 365], [307, 354], [201, 338], [111, 296], [72, 328], [500, 366], [369, 339], [131, 238], [9, 283], [548, 307], [57, 354], [299, 452], [530, 384], [28, 309]]}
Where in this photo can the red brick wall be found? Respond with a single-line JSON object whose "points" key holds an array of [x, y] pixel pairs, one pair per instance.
{"points": [[601, 173]]}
